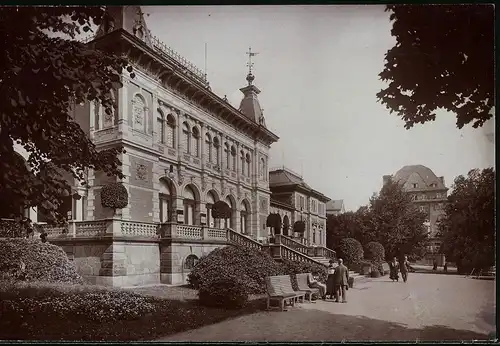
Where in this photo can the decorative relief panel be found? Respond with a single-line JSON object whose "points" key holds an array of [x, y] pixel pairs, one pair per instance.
{"points": [[142, 173], [263, 205], [138, 110]]}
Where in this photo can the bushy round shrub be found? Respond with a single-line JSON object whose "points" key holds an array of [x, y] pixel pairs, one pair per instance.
{"points": [[350, 250], [36, 300], [374, 251], [13, 229], [252, 266], [114, 196], [375, 273], [32, 260], [226, 292]]}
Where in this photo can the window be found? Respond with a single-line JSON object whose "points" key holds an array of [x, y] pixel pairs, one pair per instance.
{"points": [[195, 146], [301, 202], [170, 131], [190, 262], [216, 150], [415, 185], [208, 148], [226, 154], [161, 127], [185, 138], [433, 185], [248, 164], [313, 206], [242, 163], [233, 155], [262, 169]]}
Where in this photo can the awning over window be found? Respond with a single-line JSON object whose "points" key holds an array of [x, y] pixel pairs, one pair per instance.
{"points": [[221, 210]]}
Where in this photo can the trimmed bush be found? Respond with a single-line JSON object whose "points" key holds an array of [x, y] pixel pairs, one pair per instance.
{"points": [[13, 229], [251, 266], [350, 250], [375, 273], [226, 292], [40, 301], [114, 196], [32, 260], [374, 251]]}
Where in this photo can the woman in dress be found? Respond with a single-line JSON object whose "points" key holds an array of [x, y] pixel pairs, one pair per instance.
{"points": [[330, 284], [394, 269]]}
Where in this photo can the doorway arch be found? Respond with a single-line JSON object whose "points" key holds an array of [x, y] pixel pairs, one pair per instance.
{"points": [[210, 200], [245, 217], [191, 205]]}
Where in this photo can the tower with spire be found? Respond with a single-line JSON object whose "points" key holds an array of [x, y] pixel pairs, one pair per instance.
{"points": [[250, 106]]}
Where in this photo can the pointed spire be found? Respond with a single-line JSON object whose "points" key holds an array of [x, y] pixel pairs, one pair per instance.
{"points": [[249, 105]]}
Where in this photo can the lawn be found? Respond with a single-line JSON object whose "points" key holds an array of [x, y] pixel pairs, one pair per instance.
{"points": [[173, 310]]}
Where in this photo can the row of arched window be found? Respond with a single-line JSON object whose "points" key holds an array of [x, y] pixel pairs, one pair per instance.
{"points": [[190, 142]]}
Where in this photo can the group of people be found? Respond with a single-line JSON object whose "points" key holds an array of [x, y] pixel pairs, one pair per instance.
{"points": [[395, 267], [337, 283]]}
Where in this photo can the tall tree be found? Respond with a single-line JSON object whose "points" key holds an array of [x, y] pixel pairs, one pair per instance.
{"points": [[396, 222], [345, 225], [443, 58], [42, 78], [468, 226]]}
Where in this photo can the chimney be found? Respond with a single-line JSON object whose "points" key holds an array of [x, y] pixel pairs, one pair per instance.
{"points": [[386, 179], [442, 180]]}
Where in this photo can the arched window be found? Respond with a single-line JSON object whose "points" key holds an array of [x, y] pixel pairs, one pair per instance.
{"points": [[139, 113], [216, 150], [160, 120], [262, 168], [186, 134], [226, 154], [195, 148], [233, 154], [248, 165], [170, 133], [242, 163], [190, 262], [208, 148]]}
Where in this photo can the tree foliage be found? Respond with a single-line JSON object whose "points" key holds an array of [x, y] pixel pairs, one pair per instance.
{"points": [[468, 226], [43, 78], [443, 58], [396, 223], [345, 225], [374, 251], [350, 250]]}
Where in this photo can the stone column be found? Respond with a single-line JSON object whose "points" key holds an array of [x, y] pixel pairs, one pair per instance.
{"points": [[126, 170], [202, 145], [154, 126], [179, 136], [123, 101], [91, 208], [157, 174], [238, 162]]}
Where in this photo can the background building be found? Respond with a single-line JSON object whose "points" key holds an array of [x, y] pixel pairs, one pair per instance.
{"points": [[429, 193], [295, 200], [335, 207]]}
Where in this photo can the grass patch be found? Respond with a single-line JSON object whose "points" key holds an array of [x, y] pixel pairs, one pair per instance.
{"points": [[35, 311]]}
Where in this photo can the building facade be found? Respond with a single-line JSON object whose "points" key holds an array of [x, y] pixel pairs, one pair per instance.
{"points": [[429, 193], [185, 149], [294, 200], [335, 207]]}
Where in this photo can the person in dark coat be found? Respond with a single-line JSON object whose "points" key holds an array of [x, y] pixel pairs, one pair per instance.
{"points": [[341, 281], [405, 268], [330, 284], [394, 269]]}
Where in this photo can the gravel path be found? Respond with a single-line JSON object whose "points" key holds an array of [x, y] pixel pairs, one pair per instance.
{"points": [[428, 307]]}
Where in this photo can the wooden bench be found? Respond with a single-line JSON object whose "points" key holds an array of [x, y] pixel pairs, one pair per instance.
{"points": [[303, 285], [280, 288]]}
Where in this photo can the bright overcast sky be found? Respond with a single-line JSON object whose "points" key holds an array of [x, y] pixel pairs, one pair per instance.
{"points": [[318, 71]]}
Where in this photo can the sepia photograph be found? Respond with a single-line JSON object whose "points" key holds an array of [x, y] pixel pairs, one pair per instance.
{"points": [[248, 173]]}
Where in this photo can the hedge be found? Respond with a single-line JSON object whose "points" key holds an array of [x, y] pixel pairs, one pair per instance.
{"points": [[32, 260], [114, 196], [350, 250], [374, 251]]}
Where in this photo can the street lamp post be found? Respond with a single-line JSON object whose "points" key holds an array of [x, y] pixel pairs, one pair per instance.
{"points": [[170, 174]]}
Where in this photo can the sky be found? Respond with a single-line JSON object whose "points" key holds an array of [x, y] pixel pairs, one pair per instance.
{"points": [[318, 69]]}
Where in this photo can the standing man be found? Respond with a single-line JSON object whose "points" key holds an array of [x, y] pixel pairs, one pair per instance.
{"points": [[405, 268], [341, 280]]}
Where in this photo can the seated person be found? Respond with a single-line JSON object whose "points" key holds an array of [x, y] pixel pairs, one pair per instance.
{"points": [[314, 283]]}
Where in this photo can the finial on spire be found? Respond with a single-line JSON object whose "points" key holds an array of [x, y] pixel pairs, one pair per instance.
{"points": [[250, 76]]}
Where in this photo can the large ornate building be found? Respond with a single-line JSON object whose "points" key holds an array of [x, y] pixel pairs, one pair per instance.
{"points": [[429, 193], [294, 200]]}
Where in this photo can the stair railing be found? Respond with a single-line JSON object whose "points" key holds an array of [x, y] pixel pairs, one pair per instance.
{"points": [[291, 243], [243, 240]]}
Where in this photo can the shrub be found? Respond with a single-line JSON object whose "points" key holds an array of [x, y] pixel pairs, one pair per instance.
{"points": [[114, 196], [13, 229], [42, 262], [375, 273], [350, 250], [374, 251], [252, 266], [37, 300], [227, 292]]}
